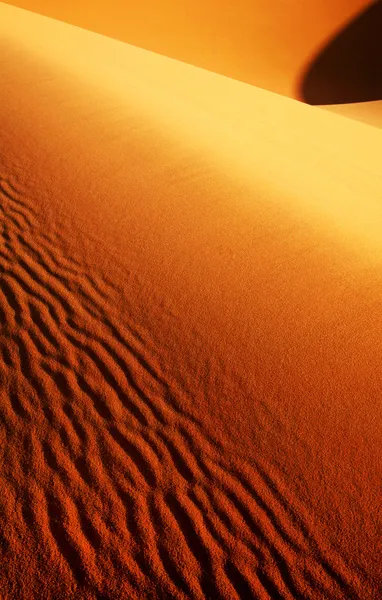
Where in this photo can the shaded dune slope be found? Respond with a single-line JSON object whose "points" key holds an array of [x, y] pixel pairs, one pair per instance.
{"points": [[349, 68], [135, 463], [346, 75]]}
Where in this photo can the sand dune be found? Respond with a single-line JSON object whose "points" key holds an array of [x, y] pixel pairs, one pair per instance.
{"points": [[267, 44], [190, 331]]}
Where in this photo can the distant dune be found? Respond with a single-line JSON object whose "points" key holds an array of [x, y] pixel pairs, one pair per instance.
{"points": [[366, 112], [267, 44], [191, 326]]}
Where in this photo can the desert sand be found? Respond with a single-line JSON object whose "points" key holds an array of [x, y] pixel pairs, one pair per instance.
{"points": [[191, 331], [267, 44], [366, 112]]}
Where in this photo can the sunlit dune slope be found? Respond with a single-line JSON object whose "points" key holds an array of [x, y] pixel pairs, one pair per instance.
{"points": [[267, 44], [190, 309]]}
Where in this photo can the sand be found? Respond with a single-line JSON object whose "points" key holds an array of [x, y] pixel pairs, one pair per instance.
{"points": [[267, 44], [348, 68], [190, 308], [366, 112]]}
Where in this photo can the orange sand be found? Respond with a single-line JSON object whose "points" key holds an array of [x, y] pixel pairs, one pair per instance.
{"points": [[266, 43], [191, 326]]}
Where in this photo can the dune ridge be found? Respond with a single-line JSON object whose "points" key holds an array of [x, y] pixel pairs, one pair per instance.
{"points": [[267, 45], [190, 331]]}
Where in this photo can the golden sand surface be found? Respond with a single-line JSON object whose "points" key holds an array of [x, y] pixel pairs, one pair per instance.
{"points": [[191, 331]]}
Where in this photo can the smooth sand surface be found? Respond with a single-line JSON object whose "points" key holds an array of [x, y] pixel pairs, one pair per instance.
{"points": [[268, 44], [191, 331]]}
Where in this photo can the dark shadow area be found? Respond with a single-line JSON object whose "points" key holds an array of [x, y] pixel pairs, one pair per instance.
{"points": [[349, 69]]}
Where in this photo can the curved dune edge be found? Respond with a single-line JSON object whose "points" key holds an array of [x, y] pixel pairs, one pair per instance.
{"points": [[265, 44], [190, 331]]}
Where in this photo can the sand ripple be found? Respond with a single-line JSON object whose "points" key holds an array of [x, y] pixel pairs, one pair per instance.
{"points": [[109, 489]]}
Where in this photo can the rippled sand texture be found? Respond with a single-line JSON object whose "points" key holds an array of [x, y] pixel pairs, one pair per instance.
{"points": [[190, 309]]}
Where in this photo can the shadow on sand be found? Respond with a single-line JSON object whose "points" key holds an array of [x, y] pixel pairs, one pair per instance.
{"points": [[349, 68]]}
